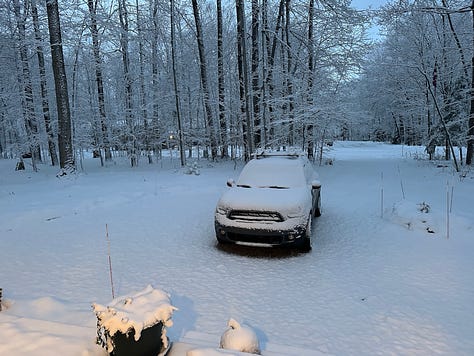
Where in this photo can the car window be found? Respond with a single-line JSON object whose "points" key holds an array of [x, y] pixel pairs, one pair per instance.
{"points": [[275, 172]]}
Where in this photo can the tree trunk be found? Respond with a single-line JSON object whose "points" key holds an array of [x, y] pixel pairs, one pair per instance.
{"points": [[43, 86], [430, 146], [289, 81], [27, 89], [98, 78], [271, 52], [205, 89], [66, 154], [255, 74], [221, 82], [176, 91], [310, 77], [443, 123], [470, 132], [243, 80], [264, 95], [154, 75], [458, 42], [132, 141], [143, 101]]}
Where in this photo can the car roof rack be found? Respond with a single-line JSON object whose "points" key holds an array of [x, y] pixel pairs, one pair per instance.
{"points": [[289, 153]]}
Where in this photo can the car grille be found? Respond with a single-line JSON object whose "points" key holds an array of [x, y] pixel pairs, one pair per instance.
{"points": [[259, 216]]}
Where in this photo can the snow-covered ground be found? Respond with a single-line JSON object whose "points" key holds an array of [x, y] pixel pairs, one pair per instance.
{"points": [[383, 277]]}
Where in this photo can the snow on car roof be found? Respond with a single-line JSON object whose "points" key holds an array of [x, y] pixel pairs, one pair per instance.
{"points": [[278, 172]]}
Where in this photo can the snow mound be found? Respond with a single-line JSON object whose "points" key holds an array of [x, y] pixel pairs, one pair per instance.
{"points": [[240, 338], [214, 352], [415, 216], [138, 311]]}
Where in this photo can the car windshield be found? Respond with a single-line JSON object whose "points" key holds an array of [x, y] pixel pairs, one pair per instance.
{"points": [[275, 172]]}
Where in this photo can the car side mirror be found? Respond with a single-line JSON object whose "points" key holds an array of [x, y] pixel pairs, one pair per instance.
{"points": [[230, 182], [316, 184]]}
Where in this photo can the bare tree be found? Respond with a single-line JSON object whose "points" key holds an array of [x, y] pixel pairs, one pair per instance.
{"points": [[92, 4], [310, 147], [175, 83], [28, 106], [124, 42], [44, 86], [265, 40], [203, 72], [470, 132], [154, 73], [271, 53], [289, 80], [243, 80], [255, 74], [66, 153], [427, 47], [143, 97], [221, 82]]}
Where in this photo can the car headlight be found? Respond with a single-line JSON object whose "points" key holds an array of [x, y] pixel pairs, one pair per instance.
{"points": [[221, 210], [295, 212]]}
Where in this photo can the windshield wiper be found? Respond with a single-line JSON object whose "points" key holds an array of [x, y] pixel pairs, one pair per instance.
{"points": [[243, 185], [275, 187]]}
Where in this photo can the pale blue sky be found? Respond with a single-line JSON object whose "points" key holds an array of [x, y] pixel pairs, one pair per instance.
{"points": [[364, 4], [373, 4]]}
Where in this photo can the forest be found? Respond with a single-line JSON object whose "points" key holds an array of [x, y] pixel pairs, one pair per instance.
{"points": [[131, 78]]}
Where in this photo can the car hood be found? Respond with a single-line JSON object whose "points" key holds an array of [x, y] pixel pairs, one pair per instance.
{"points": [[284, 201]]}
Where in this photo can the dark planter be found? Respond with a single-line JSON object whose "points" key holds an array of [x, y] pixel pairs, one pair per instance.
{"points": [[135, 325], [149, 343]]}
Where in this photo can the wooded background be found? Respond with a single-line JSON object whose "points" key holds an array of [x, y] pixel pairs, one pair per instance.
{"points": [[134, 77]]}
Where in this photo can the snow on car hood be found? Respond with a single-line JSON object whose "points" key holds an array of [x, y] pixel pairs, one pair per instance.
{"points": [[294, 200]]}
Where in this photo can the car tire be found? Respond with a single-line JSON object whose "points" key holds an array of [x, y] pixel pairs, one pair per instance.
{"points": [[317, 210], [306, 241]]}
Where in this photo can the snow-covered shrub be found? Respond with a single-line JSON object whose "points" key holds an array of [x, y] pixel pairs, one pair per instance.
{"points": [[240, 338], [424, 207], [192, 169], [415, 216]]}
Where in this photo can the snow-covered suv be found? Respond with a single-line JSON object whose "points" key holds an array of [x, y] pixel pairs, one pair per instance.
{"points": [[272, 203]]}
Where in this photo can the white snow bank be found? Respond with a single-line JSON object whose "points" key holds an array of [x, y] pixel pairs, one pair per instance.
{"points": [[214, 352], [138, 311], [47, 326], [196, 343]]}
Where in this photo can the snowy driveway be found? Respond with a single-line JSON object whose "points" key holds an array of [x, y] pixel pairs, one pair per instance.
{"points": [[371, 285]]}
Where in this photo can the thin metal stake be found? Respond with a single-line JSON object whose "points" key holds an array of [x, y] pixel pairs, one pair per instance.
{"points": [[447, 210], [401, 182], [110, 260], [381, 197], [451, 202]]}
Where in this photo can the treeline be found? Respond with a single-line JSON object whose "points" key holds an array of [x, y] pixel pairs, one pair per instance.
{"points": [[233, 77], [417, 86], [142, 75]]}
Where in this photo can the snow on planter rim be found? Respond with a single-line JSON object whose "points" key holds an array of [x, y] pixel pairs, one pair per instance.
{"points": [[138, 311]]}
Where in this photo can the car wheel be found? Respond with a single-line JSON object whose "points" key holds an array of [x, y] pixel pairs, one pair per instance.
{"points": [[317, 210], [306, 242]]}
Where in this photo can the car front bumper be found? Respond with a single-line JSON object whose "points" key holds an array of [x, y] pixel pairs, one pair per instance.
{"points": [[271, 237]]}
